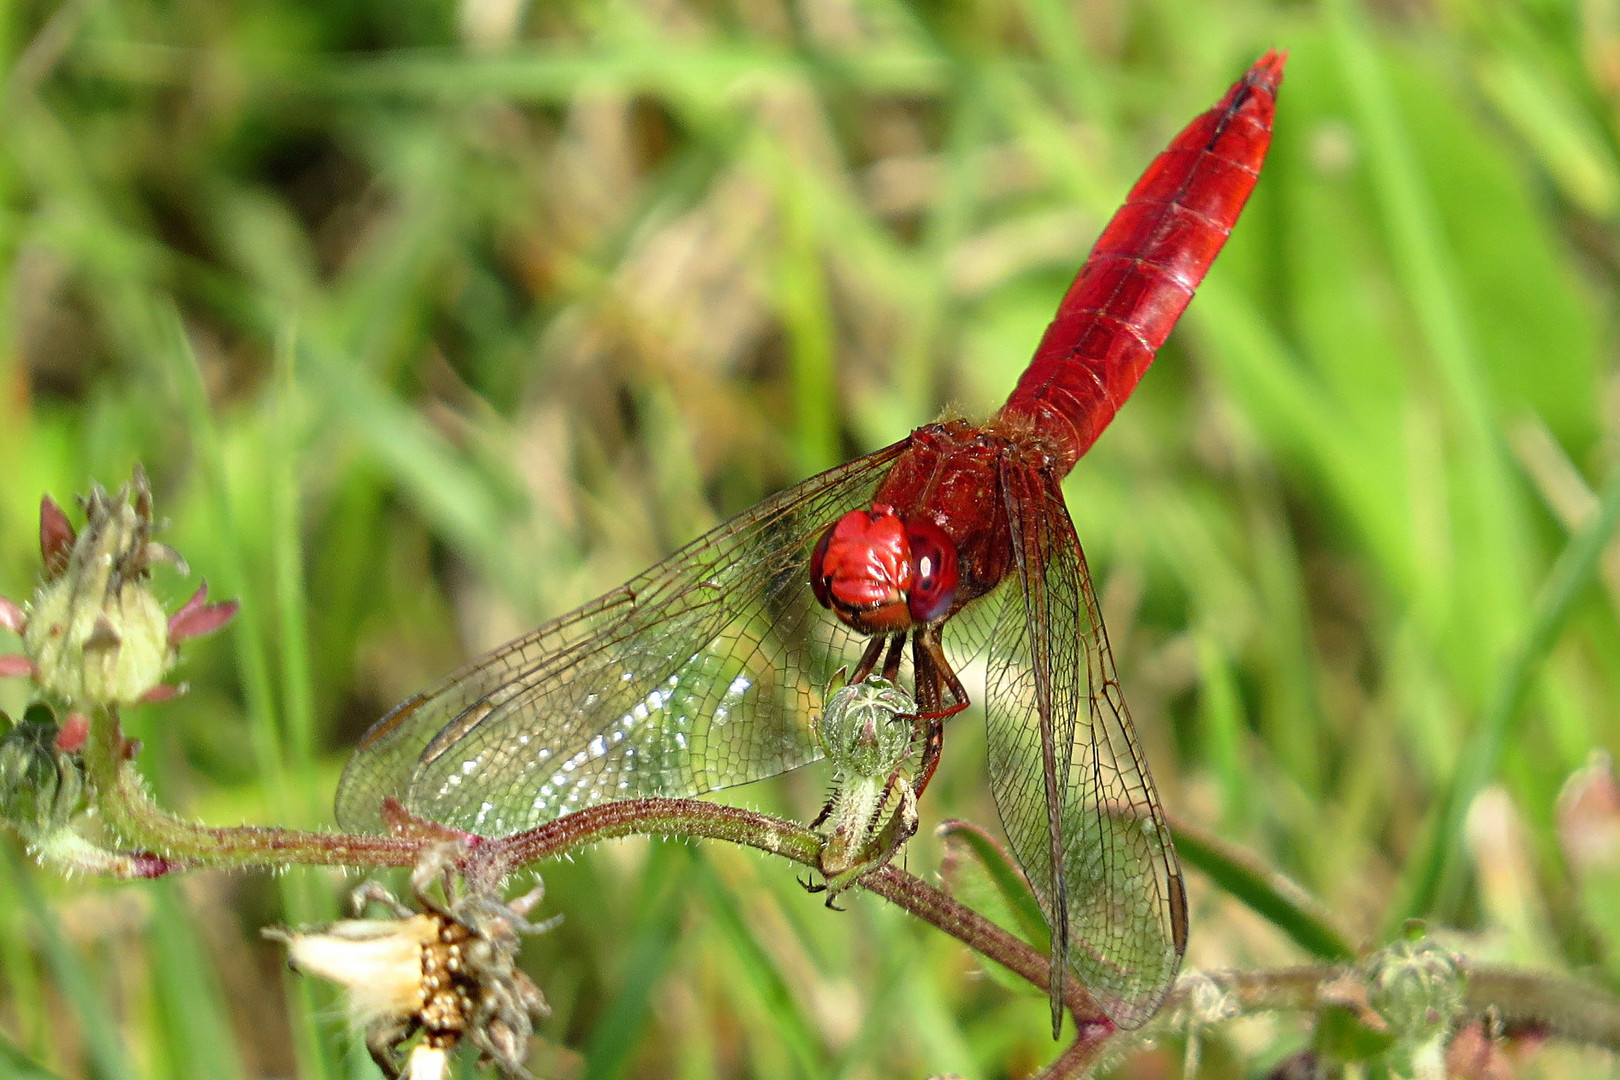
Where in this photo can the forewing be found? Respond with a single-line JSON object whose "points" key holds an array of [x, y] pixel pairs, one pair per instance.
{"points": [[700, 673], [1114, 894]]}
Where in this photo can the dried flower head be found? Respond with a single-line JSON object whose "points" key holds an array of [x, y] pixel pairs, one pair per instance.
{"points": [[95, 634], [447, 971]]}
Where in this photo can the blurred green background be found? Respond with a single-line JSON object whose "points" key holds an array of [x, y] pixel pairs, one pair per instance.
{"points": [[430, 321]]}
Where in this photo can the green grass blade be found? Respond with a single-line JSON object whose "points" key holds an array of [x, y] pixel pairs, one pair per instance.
{"points": [[108, 1057], [1434, 876], [16, 1065], [1282, 903], [200, 1042], [765, 981], [651, 947]]}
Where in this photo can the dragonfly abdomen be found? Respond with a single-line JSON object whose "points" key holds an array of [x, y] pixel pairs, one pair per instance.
{"points": [[1144, 269]]}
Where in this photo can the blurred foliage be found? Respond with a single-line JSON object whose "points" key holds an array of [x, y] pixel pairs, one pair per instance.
{"points": [[432, 320]]}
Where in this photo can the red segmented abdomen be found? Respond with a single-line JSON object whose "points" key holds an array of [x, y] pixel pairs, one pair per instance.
{"points": [[1145, 267]]}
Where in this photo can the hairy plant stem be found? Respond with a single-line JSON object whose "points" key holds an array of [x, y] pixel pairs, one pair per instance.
{"points": [[141, 823], [1555, 1006], [1549, 1005], [144, 826], [692, 817], [1523, 1002]]}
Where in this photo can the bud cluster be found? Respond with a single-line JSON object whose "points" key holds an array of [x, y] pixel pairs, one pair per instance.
{"points": [[1416, 985]]}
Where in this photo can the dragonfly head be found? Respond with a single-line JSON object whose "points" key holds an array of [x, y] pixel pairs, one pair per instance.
{"points": [[881, 573]]}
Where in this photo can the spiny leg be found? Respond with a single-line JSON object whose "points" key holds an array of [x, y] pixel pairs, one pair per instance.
{"points": [[930, 669], [869, 659], [826, 810], [891, 662]]}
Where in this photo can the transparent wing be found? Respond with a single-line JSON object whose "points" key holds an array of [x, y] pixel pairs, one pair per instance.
{"points": [[701, 673], [1069, 779]]}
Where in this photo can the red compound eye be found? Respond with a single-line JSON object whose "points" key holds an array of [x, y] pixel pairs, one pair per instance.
{"points": [[820, 580], [933, 571]]}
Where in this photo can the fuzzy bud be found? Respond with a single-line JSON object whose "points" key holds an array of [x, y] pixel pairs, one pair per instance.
{"points": [[1416, 986], [865, 728], [41, 786], [95, 633]]}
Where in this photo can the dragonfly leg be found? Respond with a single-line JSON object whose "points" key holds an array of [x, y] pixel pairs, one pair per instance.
{"points": [[869, 659], [891, 662], [902, 824], [895, 779], [811, 887], [826, 811], [930, 670]]}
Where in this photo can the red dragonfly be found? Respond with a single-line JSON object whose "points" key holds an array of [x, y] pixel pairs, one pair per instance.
{"points": [[704, 671]]}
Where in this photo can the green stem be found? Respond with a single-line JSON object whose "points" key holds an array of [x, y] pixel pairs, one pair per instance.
{"points": [[692, 817], [1525, 1003], [123, 804], [1554, 1006], [1560, 1007], [141, 823]]}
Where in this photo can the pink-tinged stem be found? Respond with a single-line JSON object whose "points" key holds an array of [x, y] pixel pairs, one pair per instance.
{"points": [[692, 817], [122, 801]]}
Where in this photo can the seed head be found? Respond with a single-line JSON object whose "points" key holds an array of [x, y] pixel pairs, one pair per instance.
{"points": [[446, 972]]}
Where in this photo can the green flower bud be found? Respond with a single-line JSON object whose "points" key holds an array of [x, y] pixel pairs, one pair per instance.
{"points": [[1416, 986], [41, 786], [865, 728], [95, 633]]}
